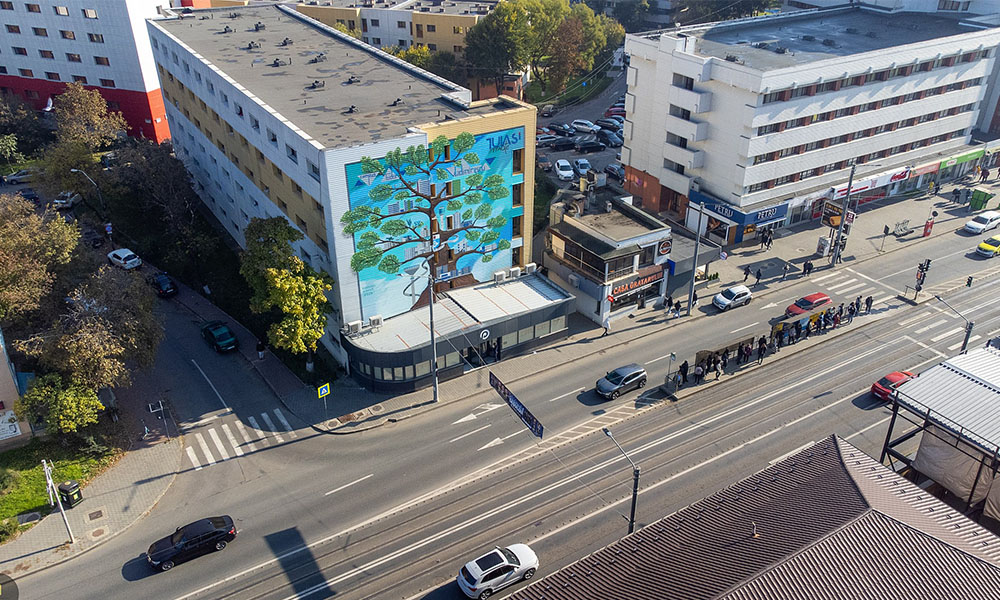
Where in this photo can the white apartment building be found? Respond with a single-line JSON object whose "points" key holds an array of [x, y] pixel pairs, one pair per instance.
{"points": [[760, 119], [102, 44]]}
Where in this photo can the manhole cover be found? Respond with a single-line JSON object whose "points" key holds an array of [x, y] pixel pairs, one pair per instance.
{"points": [[97, 532], [97, 514], [377, 408], [347, 418], [26, 518]]}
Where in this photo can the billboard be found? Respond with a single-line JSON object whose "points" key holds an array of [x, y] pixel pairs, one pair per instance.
{"points": [[465, 189]]}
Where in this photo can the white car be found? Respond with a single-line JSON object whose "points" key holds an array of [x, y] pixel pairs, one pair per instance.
{"points": [[545, 139], [581, 166], [497, 569], [67, 200], [585, 126], [564, 170], [124, 258], [738, 295], [983, 222], [22, 176]]}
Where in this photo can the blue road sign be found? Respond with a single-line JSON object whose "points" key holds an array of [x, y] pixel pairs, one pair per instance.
{"points": [[522, 412], [323, 390]]}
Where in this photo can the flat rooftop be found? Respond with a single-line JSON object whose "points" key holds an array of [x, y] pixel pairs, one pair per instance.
{"points": [[318, 54], [356, 3], [817, 35], [450, 7]]}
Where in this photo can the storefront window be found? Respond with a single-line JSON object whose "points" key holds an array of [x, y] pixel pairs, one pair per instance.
{"points": [[525, 334], [423, 368], [558, 323], [542, 329], [397, 373], [452, 359], [509, 340], [378, 373], [408, 372]]}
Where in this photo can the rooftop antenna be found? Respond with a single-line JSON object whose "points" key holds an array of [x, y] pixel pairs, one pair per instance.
{"points": [[755, 534]]}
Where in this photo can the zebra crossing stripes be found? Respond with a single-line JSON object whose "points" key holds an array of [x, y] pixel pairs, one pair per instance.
{"points": [[284, 421], [230, 440], [270, 427], [204, 449], [218, 443], [193, 458], [243, 434]]}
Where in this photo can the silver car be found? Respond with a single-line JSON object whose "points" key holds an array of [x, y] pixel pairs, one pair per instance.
{"points": [[497, 569], [621, 380]]}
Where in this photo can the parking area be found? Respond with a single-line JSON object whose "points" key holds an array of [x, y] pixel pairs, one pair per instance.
{"points": [[597, 140]]}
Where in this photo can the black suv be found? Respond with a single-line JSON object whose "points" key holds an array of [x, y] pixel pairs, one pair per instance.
{"points": [[562, 129], [191, 541], [563, 144], [163, 284], [621, 380], [589, 146]]}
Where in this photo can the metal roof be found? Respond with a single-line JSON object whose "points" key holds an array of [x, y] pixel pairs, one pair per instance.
{"points": [[962, 395], [828, 521]]}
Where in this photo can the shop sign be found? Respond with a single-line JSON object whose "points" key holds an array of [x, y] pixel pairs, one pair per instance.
{"points": [[875, 182], [770, 214], [832, 212], [663, 248], [638, 282], [970, 156], [926, 169]]}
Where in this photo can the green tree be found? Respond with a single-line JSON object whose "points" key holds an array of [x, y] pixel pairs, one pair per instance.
{"points": [[354, 33], [65, 406], [8, 149], [545, 16], [82, 116], [448, 65], [269, 246], [498, 44], [632, 14], [57, 163], [299, 293], [690, 12], [614, 37], [17, 117], [471, 200], [32, 247], [592, 33], [418, 56]]}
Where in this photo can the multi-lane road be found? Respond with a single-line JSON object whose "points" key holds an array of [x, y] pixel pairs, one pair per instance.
{"points": [[394, 512]]}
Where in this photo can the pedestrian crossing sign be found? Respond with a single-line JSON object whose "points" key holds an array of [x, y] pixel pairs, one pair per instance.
{"points": [[323, 390]]}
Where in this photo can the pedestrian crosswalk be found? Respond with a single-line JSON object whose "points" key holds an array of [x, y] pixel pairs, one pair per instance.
{"points": [[848, 284], [232, 439]]}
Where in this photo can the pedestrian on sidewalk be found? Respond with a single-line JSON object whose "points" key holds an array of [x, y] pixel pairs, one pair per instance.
{"points": [[840, 310], [749, 352], [836, 321], [757, 275], [955, 193], [868, 305], [780, 339], [607, 326], [746, 273], [784, 271], [930, 188], [984, 176], [669, 305], [809, 268], [763, 239], [699, 373], [260, 350], [724, 359], [694, 300], [850, 313], [739, 354], [677, 309], [715, 367], [761, 351], [683, 370], [770, 238]]}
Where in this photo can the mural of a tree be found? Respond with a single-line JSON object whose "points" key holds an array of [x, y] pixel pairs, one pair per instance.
{"points": [[443, 199]]}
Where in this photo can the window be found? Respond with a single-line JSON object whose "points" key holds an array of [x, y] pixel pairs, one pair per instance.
{"points": [[20, 51], [431, 28], [62, 11], [40, 31], [67, 35], [680, 113], [102, 60], [98, 38], [272, 137], [52, 76], [26, 72], [456, 30], [79, 79], [773, 97], [377, 41], [13, 29], [31, 94], [3, 70], [6, 5], [683, 81], [374, 22], [292, 154], [457, 49], [46, 54], [33, 8], [108, 83], [313, 171], [402, 44], [254, 123], [432, 47], [401, 24], [89, 13], [73, 57], [517, 193]]}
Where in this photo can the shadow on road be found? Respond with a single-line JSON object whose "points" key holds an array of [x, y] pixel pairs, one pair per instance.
{"points": [[137, 568], [301, 569]]}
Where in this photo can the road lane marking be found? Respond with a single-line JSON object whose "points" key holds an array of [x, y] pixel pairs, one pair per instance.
{"points": [[827, 276], [284, 421], [204, 449], [562, 396], [853, 288], [465, 435], [274, 430], [841, 284], [232, 440], [883, 299], [959, 345], [210, 384], [745, 327], [194, 459], [913, 320], [518, 432], [261, 436], [866, 277], [246, 437], [937, 323], [347, 485], [925, 347], [910, 269], [938, 338], [872, 426], [218, 444]]}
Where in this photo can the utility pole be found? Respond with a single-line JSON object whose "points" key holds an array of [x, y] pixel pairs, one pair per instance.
{"points": [[635, 479], [434, 351], [694, 266], [843, 217]]}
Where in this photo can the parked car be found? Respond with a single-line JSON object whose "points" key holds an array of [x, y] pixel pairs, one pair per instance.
{"points": [[621, 380], [581, 166], [191, 541], [989, 247], [617, 119], [585, 126], [983, 222], [564, 171], [615, 110], [163, 284], [497, 569], [608, 124], [807, 304], [609, 139], [738, 295], [562, 129], [589, 146], [615, 171], [29, 194], [545, 139], [124, 258], [883, 388], [548, 110], [563, 144], [22, 176], [541, 130], [219, 336], [67, 200], [543, 162]]}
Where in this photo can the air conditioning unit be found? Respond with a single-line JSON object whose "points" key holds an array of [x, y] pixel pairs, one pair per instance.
{"points": [[574, 280], [500, 277], [375, 321], [515, 272], [354, 327], [530, 268]]}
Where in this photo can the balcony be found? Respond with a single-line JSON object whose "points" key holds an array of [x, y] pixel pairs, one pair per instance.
{"points": [[694, 101], [675, 181], [691, 130], [688, 157]]}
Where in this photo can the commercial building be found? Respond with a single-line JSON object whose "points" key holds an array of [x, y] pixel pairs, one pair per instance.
{"points": [[102, 44], [278, 115], [761, 119], [827, 522]]}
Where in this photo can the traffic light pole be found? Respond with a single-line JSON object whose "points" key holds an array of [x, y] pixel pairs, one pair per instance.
{"points": [[843, 217]]}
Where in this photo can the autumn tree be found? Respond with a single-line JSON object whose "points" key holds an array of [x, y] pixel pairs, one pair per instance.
{"points": [[32, 247], [632, 14], [65, 406], [418, 56], [299, 293], [498, 43], [268, 246], [546, 17], [354, 33], [18, 118], [569, 36], [472, 201]]}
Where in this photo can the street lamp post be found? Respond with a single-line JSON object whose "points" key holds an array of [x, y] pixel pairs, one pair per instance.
{"points": [[694, 267], [843, 216], [635, 479], [968, 324], [434, 352], [100, 196]]}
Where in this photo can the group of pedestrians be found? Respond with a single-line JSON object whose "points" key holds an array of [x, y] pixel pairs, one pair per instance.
{"points": [[766, 238]]}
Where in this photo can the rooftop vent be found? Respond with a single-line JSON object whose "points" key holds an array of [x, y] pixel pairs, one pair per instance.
{"points": [[732, 58], [830, 43], [396, 102], [228, 29], [317, 84], [258, 26], [286, 42], [872, 34], [809, 38], [252, 45], [318, 58], [852, 30], [781, 49], [352, 109], [760, 45], [353, 79], [234, 15]]}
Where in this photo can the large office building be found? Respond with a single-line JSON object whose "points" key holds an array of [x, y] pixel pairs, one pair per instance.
{"points": [[760, 119], [278, 115], [102, 44]]}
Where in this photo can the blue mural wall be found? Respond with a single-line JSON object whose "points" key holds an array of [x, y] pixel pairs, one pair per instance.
{"points": [[390, 294]]}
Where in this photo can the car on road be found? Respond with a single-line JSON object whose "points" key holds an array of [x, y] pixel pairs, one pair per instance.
{"points": [[219, 336], [564, 170], [548, 110], [738, 295], [581, 166], [497, 569], [807, 304], [989, 247], [191, 541], [983, 222], [67, 200], [589, 146], [545, 139], [883, 388], [563, 144], [124, 258], [615, 171], [22, 176], [29, 194], [543, 162], [585, 126], [621, 380], [609, 139], [163, 284], [562, 129]]}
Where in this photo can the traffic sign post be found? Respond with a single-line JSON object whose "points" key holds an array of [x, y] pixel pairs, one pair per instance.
{"points": [[519, 409], [323, 391]]}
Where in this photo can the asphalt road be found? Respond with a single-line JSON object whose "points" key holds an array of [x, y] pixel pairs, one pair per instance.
{"points": [[397, 510]]}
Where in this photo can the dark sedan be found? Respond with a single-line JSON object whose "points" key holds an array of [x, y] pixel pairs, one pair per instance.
{"points": [[589, 146], [615, 172], [562, 144], [163, 284], [562, 129], [191, 541], [219, 336]]}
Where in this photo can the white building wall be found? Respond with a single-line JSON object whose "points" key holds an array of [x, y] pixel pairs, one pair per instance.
{"points": [[387, 30]]}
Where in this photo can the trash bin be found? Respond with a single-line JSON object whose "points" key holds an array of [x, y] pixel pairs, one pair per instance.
{"points": [[69, 493]]}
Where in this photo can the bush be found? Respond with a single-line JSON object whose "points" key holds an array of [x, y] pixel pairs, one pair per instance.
{"points": [[8, 479], [8, 529]]}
